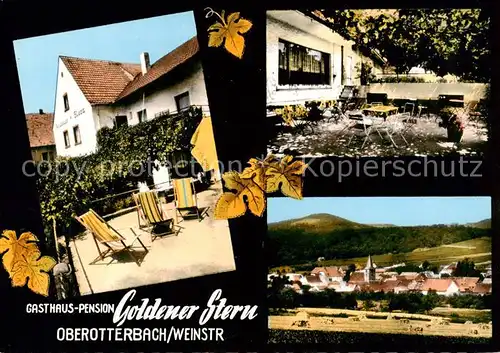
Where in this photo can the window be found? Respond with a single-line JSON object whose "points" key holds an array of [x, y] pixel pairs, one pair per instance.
{"points": [[299, 65], [47, 156], [142, 115], [67, 144], [76, 135], [182, 101], [121, 120], [66, 102]]}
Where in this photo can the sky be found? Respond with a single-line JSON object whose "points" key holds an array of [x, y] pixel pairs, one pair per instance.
{"points": [[37, 57], [400, 211]]}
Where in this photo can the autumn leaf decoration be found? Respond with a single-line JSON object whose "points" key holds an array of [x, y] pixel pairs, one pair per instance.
{"points": [[229, 31], [248, 188], [24, 262]]}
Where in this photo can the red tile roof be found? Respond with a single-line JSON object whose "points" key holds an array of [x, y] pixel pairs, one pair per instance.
{"points": [[482, 288], [437, 284], [163, 66], [105, 82], [466, 283], [377, 287], [101, 81], [330, 271], [40, 129], [313, 279], [357, 277]]}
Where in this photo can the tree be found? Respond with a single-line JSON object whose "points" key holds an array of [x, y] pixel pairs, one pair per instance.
{"points": [[350, 269], [368, 304], [445, 41], [466, 268]]}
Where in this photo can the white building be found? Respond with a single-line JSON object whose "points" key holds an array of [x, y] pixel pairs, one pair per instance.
{"points": [[307, 60], [92, 94]]}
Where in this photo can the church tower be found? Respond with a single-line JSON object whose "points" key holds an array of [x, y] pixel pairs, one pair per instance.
{"points": [[369, 270]]}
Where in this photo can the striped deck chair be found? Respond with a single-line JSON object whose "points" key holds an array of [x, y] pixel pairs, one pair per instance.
{"points": [[185, 198], [108, 237], [157, 220]]}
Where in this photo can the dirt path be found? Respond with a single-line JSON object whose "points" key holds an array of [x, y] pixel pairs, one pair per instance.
{"points": [[458, 246]]}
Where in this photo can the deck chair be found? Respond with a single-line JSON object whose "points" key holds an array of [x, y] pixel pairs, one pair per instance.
{"points": [[105, 235], [186, 199], [155, 218]]}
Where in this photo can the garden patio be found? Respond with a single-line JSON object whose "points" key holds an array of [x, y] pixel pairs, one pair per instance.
{"points": [[202, 247], [353, 127], [425, 138]]}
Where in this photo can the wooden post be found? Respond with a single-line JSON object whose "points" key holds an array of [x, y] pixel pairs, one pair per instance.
{"points": [[55, 239]]}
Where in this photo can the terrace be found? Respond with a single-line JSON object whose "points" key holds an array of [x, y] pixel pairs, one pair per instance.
{"points": [[201, 248], [354, 126]]}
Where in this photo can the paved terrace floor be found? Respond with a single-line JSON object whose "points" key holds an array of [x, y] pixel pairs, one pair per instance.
{"points": [[201, 248], [425, 139]]}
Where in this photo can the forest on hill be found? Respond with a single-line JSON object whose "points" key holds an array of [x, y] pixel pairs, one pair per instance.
{"points": [[294, 242]]}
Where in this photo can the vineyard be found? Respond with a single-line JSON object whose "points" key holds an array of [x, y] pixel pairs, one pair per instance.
{"points": [[344, 321]]}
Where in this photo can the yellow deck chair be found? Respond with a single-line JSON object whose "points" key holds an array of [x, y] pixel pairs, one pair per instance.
{"points": [[157, 220], [185, 198], [108, 237]]}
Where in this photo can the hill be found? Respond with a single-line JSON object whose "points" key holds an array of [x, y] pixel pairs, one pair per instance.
{"points": [[320, 222], [477, 250], [484, 224], [304, 240]]}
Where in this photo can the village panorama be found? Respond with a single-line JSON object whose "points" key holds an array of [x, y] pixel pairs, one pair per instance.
{"points": [[333, 277]]}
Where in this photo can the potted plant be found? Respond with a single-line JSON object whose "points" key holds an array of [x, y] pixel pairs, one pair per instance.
{"points": [[453, 122], [364, 73]]}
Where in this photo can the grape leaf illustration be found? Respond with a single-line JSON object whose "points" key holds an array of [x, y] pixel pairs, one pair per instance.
{"points": [[232, 204], [257, 171], [21, 259], [230, 33], [33, 269], [288, 175], [13, 248]]}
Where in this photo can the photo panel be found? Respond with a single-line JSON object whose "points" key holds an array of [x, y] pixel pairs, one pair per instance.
{"points": [[368, 109], [128, 153], [349, 270]]}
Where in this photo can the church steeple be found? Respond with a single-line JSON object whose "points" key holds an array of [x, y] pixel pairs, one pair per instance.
{"points": [[369, 263], [369, 270]]}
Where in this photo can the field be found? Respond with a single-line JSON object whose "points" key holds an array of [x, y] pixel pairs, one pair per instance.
{"points": [[376, 340], [338, 320], [478, 250]]}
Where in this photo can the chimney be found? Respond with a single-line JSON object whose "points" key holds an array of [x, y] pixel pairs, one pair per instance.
{"points": [[40, 111], [145, 63]]}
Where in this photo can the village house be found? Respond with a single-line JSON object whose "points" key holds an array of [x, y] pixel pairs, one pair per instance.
{"points": [[92, 94], [368, 279], [447, 270], [442, 286], [41, 136], [317, 282], [482, 288], [343, 287], [307, 60]]}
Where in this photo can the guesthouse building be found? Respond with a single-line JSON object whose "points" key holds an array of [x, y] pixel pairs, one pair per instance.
{"points": [[307, 60], [92, 94]]}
